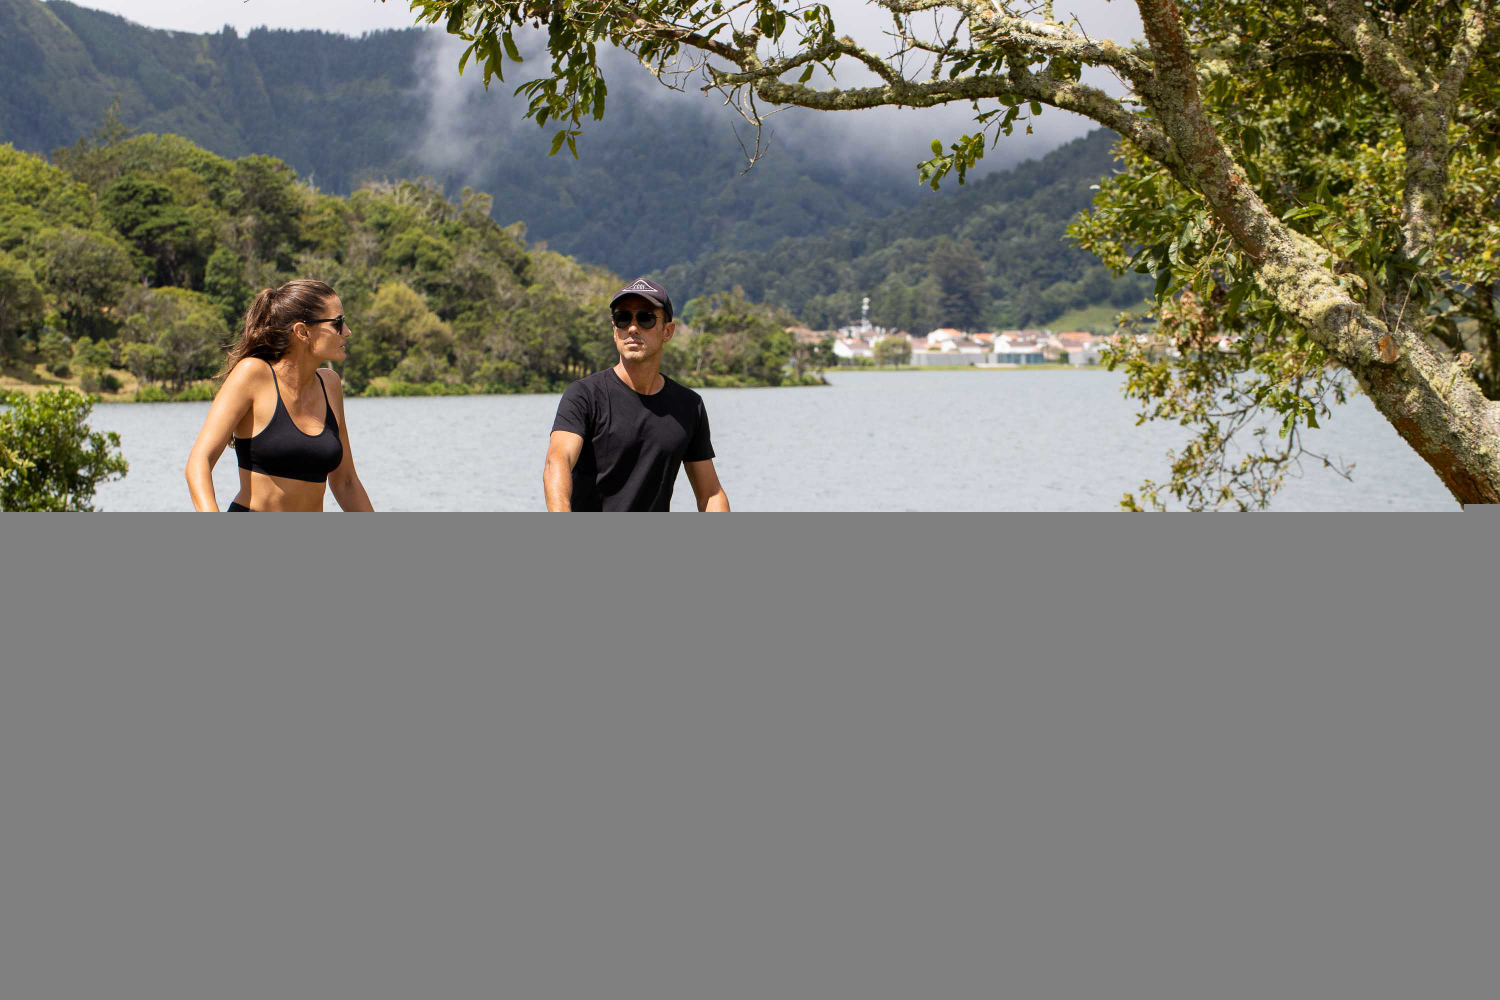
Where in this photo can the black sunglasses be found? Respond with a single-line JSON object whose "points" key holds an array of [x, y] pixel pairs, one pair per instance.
{"points": [[645, 318], [337, 321]]}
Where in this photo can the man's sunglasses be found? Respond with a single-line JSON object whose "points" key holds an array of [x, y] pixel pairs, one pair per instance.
{"points": [[337, 321], [645, 318]]}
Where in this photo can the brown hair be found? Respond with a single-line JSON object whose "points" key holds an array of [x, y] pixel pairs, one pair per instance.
{"points": [[269, 320]]}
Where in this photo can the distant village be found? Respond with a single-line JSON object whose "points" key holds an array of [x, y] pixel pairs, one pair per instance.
{"points": [[857, 345], [862, 344]]}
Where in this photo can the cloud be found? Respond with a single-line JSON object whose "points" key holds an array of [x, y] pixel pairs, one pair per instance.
{"points": [[464, 120], [878, 140]]}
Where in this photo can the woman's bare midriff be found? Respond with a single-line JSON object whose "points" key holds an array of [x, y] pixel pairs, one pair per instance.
{"points": [[259, 491]]}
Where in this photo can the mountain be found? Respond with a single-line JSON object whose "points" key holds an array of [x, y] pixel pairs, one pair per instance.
{"points": [[657, 188], [656, 184]]}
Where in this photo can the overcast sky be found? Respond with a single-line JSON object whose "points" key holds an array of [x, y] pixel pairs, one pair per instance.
{"points": [[353, 17]]}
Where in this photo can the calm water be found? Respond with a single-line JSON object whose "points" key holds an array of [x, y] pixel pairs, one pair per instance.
{"points": [[1050, 440]]}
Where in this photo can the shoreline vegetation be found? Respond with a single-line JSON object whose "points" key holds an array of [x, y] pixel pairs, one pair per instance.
{"points": [[14, 379], [126, 263]]}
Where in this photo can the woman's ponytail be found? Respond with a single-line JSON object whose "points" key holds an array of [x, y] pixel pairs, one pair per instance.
{"points": [[269, 320]]}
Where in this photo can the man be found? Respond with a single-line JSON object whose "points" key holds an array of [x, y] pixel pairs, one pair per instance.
{"points": [[621, 434]]}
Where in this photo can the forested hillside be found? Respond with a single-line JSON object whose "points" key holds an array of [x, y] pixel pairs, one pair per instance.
{"points": [[657, 184], [993, 258], [657, 188], [143, 253]]}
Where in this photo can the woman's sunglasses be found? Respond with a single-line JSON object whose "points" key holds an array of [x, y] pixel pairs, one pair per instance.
{"points": [[337, 321], [645, 318]]}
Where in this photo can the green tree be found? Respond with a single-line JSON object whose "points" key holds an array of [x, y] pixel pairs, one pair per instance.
{"points": [[146, 213], [1339, 275], [1344, 157], [961, 278], [34, 194], [266, 196], [737, 336], [397, 320], [147, 362], [54, 352], [21, 302], [893, 351], [225, 285], [90, 353], [50, 459], [186, 327], [85, 272]]}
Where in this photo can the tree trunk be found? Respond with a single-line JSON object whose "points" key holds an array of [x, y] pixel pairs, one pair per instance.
{"points": [[1434, 403]]}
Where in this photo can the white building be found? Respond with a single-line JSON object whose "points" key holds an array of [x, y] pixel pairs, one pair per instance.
{"points": [[852, 347]]}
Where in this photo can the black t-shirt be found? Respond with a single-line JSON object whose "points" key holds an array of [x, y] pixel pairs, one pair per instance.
{"points": [[633, 444]]}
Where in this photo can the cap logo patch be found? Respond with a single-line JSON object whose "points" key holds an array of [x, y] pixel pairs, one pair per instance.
{"points": [[640, 285]]}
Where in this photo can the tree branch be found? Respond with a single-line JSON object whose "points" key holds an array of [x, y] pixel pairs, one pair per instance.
{"points": [[1006, 31], [1398, 76], [1098, 106], [1479, 21]]}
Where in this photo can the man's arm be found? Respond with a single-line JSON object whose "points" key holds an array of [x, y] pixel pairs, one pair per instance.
{"points": [[563, 449], [706, 487]]}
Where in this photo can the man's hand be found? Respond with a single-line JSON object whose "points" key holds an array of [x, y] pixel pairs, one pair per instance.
{"points": [[563, 449]]}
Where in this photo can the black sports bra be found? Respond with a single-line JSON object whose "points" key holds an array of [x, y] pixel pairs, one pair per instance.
{"points": [[283, 450]]}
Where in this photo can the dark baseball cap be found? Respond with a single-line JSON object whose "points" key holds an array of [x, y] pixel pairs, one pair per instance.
{"points": [[648, 290]]}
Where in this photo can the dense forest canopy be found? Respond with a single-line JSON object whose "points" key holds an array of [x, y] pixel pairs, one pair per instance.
{"points": [[143, 253], [992, 259]]}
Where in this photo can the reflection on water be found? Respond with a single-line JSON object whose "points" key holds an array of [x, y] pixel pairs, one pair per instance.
{"points": [[1006, 440]]}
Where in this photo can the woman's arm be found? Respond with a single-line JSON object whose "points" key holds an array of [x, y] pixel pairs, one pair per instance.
{"points": [[344, 481], [226, 411]]}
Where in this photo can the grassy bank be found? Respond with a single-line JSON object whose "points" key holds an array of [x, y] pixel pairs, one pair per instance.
{"points": [[35, 378]]}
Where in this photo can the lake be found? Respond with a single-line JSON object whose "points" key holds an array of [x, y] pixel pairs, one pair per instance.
{"points": [[937, 441]]}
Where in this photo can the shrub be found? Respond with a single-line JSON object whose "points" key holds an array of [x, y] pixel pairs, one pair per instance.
{"points": [[49, 458], [148, 393], [197, 392]]}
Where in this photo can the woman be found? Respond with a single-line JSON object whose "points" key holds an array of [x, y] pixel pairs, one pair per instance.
{"points": [[285, 413]]}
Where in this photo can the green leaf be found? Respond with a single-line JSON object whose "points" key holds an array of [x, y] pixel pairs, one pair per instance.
{"points": [[937, 147], [1162, 281], [557, 141], [1036, 107], [807, 73], [1302, 212], [1236, 296], [510, 47]]}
